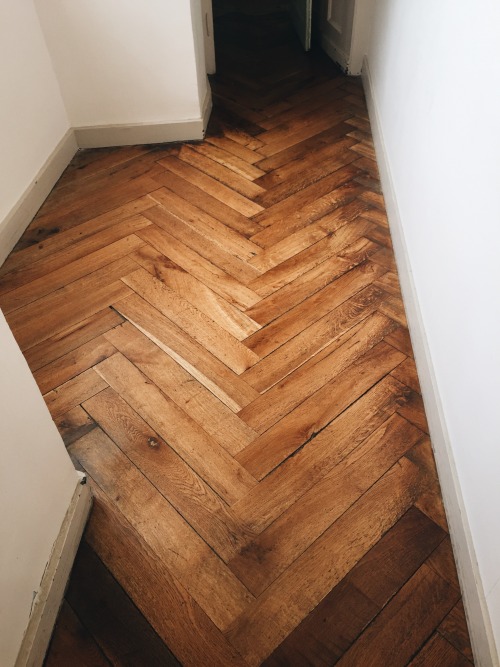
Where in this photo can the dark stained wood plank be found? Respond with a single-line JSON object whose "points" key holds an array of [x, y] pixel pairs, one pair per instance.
{"points": [[405, 623], [122, 632], [440, 652], [189, 633], [73, 644], [283, 605], [454, 629], [335, 624]]}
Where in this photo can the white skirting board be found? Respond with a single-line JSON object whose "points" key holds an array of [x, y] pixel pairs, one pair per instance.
{"points": [[38, 633], [476, 609], [13, 226], [145, 133]]}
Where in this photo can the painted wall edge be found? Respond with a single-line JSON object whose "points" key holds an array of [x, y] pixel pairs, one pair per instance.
{"points": [[476, 609], [53, 585]]}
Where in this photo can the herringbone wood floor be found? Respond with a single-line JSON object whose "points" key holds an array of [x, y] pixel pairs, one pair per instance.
{"points": [[218, 331]]}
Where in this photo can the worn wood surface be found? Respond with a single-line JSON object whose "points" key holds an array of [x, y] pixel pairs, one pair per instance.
{"points": [[218, 332]]}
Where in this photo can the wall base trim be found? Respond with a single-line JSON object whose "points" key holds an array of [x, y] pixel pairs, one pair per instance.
{"points": [[100, 136], [24, 211], [55, 578], [478, 618]]}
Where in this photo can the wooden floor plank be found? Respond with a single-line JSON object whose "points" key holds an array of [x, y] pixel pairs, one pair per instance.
{"points": [[202, 269], [193, 498], [189, 632], [279, 545], [418, 606], [162, 528], [121, 631], [238, 324], [235, 200], [201, 364], [336, 623], [219, 331], [183, 434], [197, 401], [296, 388], [194, 322], [283, 605]]}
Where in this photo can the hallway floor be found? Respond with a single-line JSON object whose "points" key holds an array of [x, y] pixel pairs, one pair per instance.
{"points": [[218, 332]]}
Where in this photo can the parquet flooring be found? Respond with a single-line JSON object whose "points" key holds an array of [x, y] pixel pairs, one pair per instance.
{"points": [[218, 332]]}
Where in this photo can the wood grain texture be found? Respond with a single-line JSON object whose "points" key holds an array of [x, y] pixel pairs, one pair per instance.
{"points": [[219, 334]]}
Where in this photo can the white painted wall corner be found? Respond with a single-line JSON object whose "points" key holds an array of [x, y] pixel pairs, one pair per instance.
{"points": [[55, 578], [478, 617], [23, 212]]}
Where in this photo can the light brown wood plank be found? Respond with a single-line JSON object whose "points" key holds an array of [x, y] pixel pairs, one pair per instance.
{"points": [[191, 396], [183, 434], [199, 220], [306, 260], [63, 240], [72, 393], [297, 474], [238, 324], [202, 269], [49, 273], [209, 371], [306, 236], [214, 207], [296, 388], [313, 339], [73, 363], [314, 414], [195, 501], [69, 339], [325, 293], [237, 182], [216, 189], [59, 310], [211, 250], [231, 161], [195, 323], [64, 276], [162, 528]]}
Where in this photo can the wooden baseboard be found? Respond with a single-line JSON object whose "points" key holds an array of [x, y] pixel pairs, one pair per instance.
{"points": [[55, 578], [145, 133], [13, 226], [478, 617]]}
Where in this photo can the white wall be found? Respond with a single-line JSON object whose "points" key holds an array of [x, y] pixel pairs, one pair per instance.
{"points": [[434, 73], [33, 118], [37, 483], [126, 62]]}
